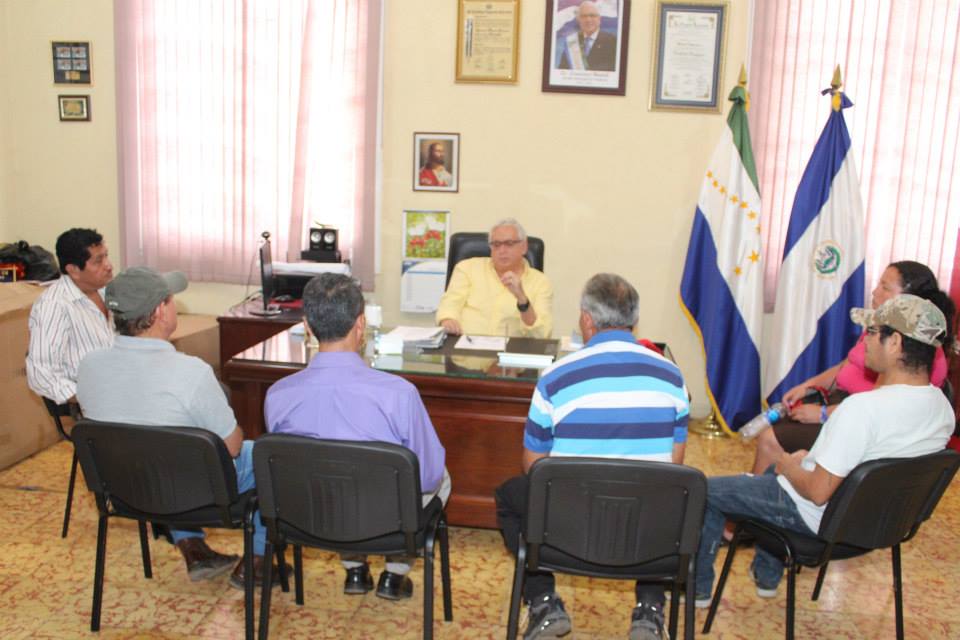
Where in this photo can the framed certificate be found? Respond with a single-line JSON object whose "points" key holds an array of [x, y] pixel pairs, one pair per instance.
{"points": [[487, 40], [688, 56]]}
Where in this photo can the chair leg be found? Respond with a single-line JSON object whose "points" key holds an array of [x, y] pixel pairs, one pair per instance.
{"points": [[282, 565], [145, 550], [897, 589], [820, 576], [689, 609], [724, 573], [445, 569], [674, 607], [298, 573], [516, 593], [265, 592], [248, 567], [98, 573], [69, 505], [428, 556], [791, 593]]}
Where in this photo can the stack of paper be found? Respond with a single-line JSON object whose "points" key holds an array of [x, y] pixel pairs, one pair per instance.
{"points": [[423, 337], [481, 343], [528, 360]]}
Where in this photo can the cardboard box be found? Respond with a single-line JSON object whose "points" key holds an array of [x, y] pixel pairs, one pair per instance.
{"points": [[25, 425]]}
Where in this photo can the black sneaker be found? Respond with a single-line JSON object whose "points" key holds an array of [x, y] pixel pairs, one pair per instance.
{"points": [[647, 622], [358, 581], [546, 618]]}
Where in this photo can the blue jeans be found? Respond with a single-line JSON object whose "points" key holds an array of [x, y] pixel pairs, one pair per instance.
{"points": [[245, 481], [756, 497]]}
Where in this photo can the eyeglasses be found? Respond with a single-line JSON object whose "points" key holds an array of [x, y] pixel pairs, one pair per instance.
{"points": [[496, 244]]}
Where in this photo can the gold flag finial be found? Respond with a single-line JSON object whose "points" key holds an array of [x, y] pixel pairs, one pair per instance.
{"points": [[836, 101], [743, 76]]}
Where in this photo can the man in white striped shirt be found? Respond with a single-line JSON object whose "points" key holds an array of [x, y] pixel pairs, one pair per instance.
{"points": [[70, 318]]}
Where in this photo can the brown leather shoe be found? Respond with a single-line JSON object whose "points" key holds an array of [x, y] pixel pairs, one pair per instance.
{"points": [[236, 578], [203, 562]]}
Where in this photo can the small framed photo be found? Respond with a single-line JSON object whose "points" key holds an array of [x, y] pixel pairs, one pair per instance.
{"points": [[74, 108], [436, 162], [585, 46], [71, 62], [488, 40], [688, 56]]}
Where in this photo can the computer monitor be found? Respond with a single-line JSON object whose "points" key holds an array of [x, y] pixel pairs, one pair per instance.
{"points": [[267, 281]]}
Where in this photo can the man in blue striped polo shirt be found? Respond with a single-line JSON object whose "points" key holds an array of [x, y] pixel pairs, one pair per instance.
{"points": [[613, 398]]}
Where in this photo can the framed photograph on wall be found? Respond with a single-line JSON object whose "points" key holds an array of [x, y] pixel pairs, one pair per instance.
{"points": [[74, 108], [436, 162], [688, 56], [488, 40], [71, 62], [585, 46]]}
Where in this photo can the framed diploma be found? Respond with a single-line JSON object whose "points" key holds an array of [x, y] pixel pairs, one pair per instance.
{"points": [[688, 56], [585, 46], [487, 40]]}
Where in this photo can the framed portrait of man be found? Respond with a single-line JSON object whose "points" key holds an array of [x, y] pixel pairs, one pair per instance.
{"points": [[585, 46], [436, 162]]}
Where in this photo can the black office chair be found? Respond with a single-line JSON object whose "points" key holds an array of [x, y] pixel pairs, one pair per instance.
{"points": [[881, 504], [465, 245], [182, 477], [349, 497], [58, 411], [608, 518]]}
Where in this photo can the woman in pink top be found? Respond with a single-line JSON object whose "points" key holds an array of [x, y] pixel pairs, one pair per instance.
{"points": [[851, 375]]}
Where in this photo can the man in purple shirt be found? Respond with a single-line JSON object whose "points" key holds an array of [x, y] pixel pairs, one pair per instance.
{"points": [[339, 397]]}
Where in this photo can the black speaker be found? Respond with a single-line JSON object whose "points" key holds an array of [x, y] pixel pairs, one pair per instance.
{"points": [[323, 239]]}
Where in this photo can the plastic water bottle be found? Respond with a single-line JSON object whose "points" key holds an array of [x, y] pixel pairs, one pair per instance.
{"points": [[763, 420]]}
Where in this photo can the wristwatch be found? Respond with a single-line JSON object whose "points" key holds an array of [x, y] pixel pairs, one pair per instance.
{"points": [[522, 308]]}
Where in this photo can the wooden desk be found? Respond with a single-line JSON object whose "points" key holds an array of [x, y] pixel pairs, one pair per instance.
{"points": [[240, 329], [478, 415]]}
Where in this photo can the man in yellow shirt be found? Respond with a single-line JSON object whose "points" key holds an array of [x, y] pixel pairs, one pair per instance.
{"points": [[499, 295]]}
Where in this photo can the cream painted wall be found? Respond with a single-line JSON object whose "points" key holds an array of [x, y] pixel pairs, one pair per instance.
{"points": [[609, 185], [56, 174]]}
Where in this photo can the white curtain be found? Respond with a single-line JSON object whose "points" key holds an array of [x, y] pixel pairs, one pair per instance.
{"points": [[242, 116], [900, 62]]}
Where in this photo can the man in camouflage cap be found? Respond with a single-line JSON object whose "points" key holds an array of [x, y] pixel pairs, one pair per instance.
{"points": [[911, 316], [903, 417]]}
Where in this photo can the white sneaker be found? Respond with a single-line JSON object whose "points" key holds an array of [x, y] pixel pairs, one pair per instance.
{"points": [[762, 591]]}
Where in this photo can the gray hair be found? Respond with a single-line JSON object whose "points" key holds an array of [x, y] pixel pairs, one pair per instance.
{"points": [[611, 301], [136, 326], [332, 302], [508, 222]]}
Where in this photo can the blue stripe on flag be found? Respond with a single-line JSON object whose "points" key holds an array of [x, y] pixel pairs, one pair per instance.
{"points": [[836, 334], [733, 361], [817, 180]]}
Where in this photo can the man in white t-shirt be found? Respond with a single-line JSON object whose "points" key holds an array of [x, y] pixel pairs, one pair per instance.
{"points": [[904, 418]]}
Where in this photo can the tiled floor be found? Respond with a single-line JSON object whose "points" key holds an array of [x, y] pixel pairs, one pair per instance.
{"points": [[46, 582]]}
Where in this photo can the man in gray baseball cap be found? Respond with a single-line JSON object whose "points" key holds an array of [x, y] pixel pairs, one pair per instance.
{"points": [[904, 416], [137, 291], [143, 380]]}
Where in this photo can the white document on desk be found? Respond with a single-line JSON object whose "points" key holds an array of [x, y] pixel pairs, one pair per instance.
{"points": [[481, 343], [421, 285]]}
